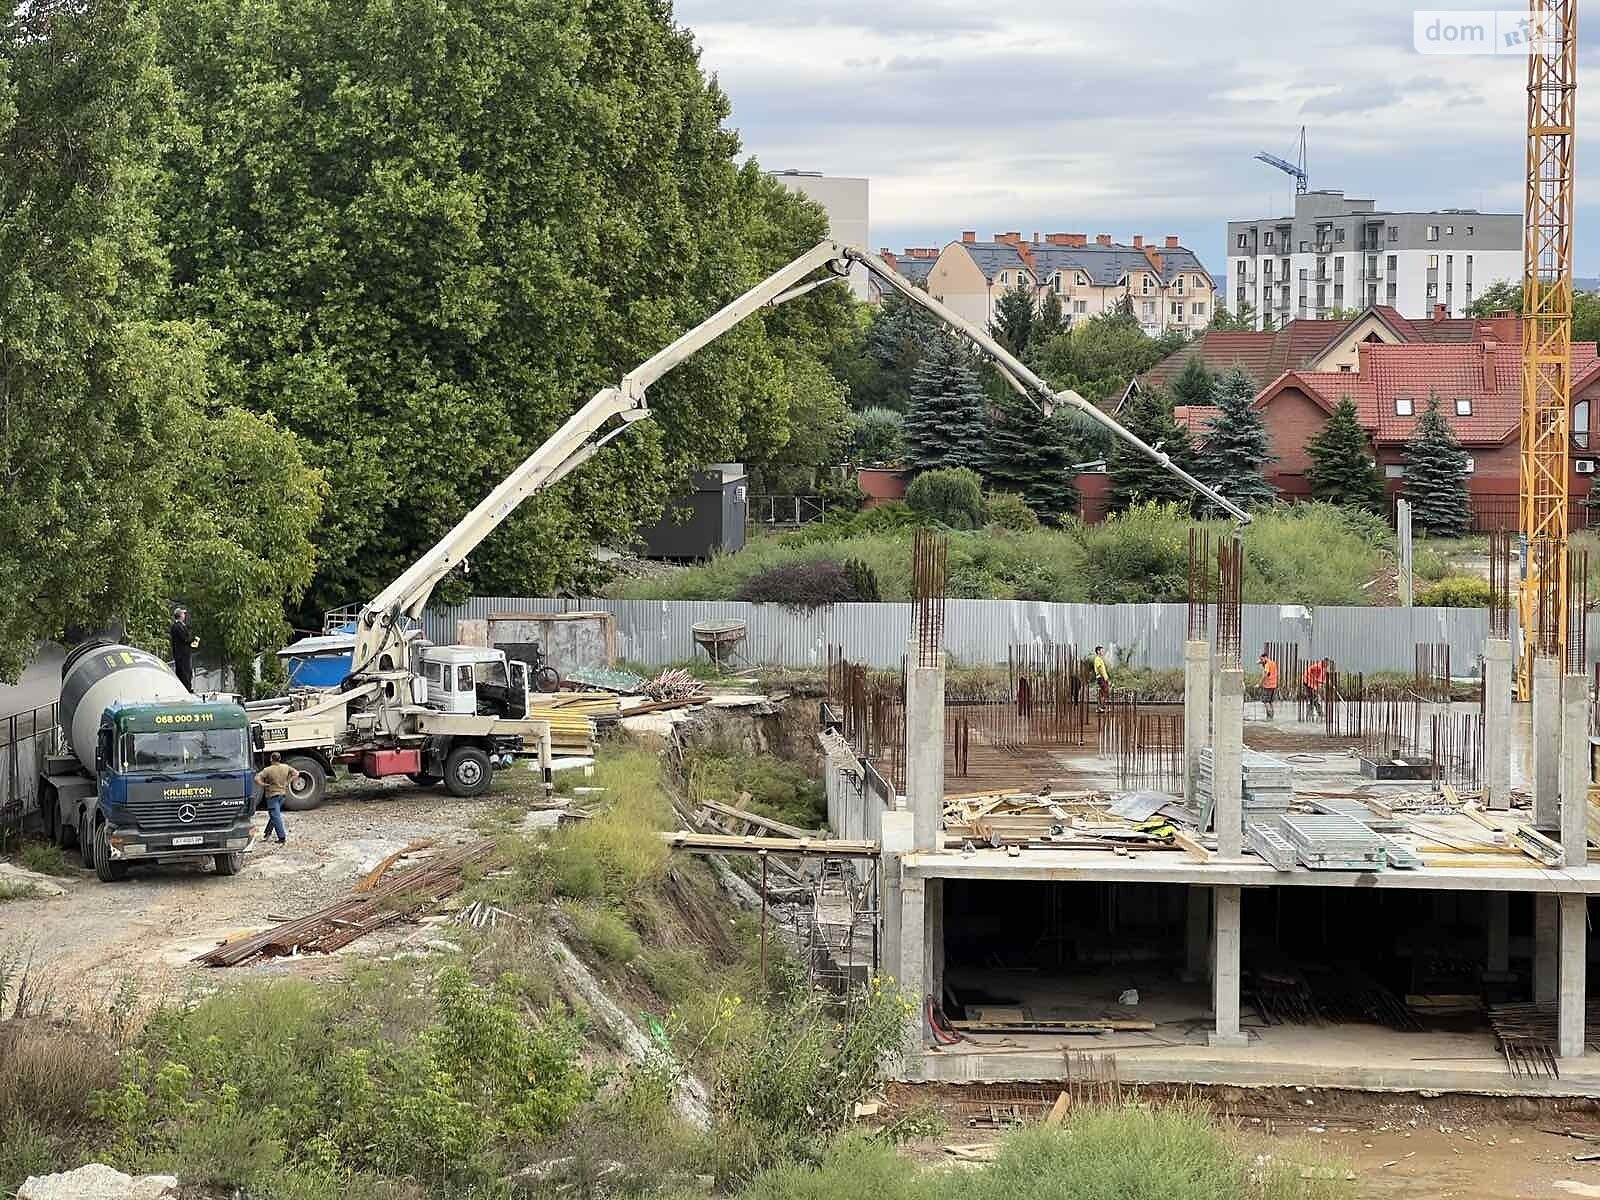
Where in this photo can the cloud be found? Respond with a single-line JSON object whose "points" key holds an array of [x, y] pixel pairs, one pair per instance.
{"points": [[1140, 117]]}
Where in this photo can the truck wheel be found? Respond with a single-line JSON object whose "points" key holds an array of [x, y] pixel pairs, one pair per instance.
{"points": [[467, 772], [309, 788], [423, 779], [66, 836], [230, 863], [85, 840], [105, 867]]}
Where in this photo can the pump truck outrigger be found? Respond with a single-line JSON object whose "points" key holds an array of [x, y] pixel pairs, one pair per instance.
{"points": [[380, 720]]}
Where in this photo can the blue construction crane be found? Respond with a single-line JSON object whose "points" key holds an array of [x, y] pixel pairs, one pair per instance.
{"points": [[1298, 170]]}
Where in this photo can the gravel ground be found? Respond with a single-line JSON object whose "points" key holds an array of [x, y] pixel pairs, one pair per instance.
{"points": [[144, 932]]}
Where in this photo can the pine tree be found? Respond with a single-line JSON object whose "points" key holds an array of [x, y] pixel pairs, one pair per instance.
{"points": [[1436, 476], [1342, 471], [1237, 451], [1195, 386], [1032, 456], [1013, 320], [945, 425], [894, 345], [1136, 478], [1050, 320]]}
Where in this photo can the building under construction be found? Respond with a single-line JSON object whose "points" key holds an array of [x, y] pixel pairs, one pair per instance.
{"points": [[1370, 889]]}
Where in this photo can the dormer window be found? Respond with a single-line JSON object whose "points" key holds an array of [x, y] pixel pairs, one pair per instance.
{"points": [[1082, 279], [1055, 282], [1463, 406], [1403, 406]]}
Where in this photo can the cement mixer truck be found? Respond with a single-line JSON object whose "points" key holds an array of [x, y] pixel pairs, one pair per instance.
{"points": [[154, 774]]}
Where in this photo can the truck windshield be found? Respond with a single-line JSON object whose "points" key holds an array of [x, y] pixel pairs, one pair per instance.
{"points": [[492, 672], [175, 750]]}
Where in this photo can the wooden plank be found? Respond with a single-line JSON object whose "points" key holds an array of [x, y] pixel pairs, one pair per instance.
{"points": [[1058, 1111], [1054, 1026], [1194, 848], [1477, 814], [760, 822], [808, 846]]}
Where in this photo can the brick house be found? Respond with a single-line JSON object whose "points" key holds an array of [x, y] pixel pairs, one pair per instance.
{"points": [[1478, 378]]}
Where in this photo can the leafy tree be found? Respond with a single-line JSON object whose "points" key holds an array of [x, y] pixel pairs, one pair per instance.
{"points": [[877, 436], [1503, 298], [891, 346], [1341, 314], [1342, 470], [1244, 319], [1050, 320], [1237, 449], [1135, 478], [1436, 476], [952, 496], [945, 427], [1014, 316], [1032, 455], [426, 236], [1195, 386], [819, 427], [1099, 356], [1010, 511], [1497, 299]]}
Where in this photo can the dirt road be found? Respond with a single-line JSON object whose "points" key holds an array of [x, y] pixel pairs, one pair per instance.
{"points": [[147, 929]]}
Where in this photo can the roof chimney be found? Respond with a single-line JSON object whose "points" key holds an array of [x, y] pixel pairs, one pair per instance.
{"points": [[1490, 378], [1138, 242], [1440, 312], [969, 236], [1077, 239], [1058, 239], [1172, 242], [1036, 237], [1102, 239]]}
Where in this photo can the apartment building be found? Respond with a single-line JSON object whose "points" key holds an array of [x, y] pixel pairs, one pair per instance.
{"points": [[1335, 253], [1166, 283], [845, 200]]}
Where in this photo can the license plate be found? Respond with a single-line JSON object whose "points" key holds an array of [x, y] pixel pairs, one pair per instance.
{"points": [[190, 839]]}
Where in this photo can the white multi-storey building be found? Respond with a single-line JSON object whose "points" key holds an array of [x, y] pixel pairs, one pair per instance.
{"points": [[844, 199], [1335, 253]]}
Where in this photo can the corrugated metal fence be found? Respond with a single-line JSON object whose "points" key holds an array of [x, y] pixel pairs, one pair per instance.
{"points": [[979, 632]]}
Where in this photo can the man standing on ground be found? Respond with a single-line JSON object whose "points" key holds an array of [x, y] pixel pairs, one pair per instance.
{"points": [[275, 779], [1102, 680], [1269, 680], [183, 647], [1314, 678]]}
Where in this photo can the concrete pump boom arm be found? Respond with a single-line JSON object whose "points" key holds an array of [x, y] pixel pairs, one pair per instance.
{"points": [[585, 433]]}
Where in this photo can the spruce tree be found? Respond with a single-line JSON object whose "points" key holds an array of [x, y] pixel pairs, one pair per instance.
{"points": [[1032, 456], [945, 425], [1436, 476], [1194, 386], [1136, 478], [893, 345], [1013, 320], [1050, 320], [1237, 451], [1342, 470]]}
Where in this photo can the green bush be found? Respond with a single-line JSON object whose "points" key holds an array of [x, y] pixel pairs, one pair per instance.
{"points": [[25, 1149], [1458, 591], [1010, 511], [877, 437], [609, 935], [1138, 556], [1428, 563], [952, 496], [45, 858], [775, 787], [863, 581], [1310, 554]]}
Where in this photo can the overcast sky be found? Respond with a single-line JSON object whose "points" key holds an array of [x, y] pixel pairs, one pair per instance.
{"points": [[1132, 117]]}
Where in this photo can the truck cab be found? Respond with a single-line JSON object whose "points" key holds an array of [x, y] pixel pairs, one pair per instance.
{"points": [[475, 681], [173, 781]]}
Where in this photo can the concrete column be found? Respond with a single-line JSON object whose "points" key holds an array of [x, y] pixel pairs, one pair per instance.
{"points": [[1497, 724], [1546, 918], [925, 749], [896, 843], [1197, 933], [1227, 755], [1225, 968], [913, 973], [933, 951], [1546, 744], [1497, 927], [1196, 711], [1575, 769], [1574, 982]]}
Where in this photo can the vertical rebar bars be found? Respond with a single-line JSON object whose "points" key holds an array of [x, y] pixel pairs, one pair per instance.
{"points": [[929, 555], [1199, 590], [1230, 565], [1500, 565], [1577, 612]]}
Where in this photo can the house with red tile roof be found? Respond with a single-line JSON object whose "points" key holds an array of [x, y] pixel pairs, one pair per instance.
{"points": [[1479, 385]]}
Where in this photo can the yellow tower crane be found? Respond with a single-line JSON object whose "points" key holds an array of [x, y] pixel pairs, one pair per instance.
{"points": [[1547, 332]]}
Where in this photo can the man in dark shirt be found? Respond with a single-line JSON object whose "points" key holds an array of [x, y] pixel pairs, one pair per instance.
{"points": [[183, 645]]}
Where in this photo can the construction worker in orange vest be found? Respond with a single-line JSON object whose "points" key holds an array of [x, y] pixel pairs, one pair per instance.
{"points": [[1269, 681], [1314, 677]]}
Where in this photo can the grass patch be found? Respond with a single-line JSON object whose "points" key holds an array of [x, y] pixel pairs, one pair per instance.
{"points": [[1169, 1153], [25, 1149], [18, 889], [758, 783], [44, 858], [607, 934]]}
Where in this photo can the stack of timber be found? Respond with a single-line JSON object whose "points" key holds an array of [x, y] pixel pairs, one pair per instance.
{"points": [[1047, 822], [572, 717]]}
